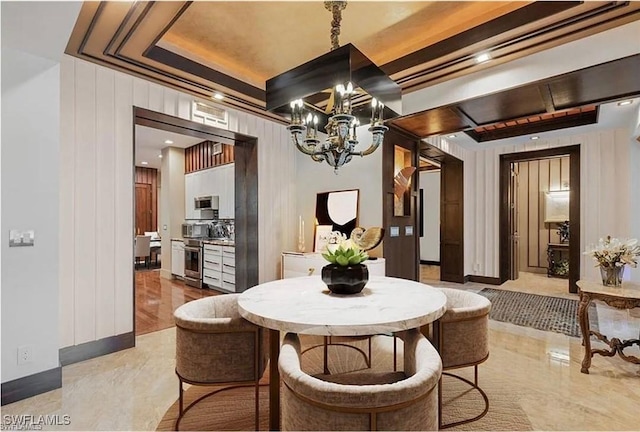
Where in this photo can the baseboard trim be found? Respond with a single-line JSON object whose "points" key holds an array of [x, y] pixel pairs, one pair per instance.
{"points": [[31, 385], [89, 350], [427, 262], [483, 279]]}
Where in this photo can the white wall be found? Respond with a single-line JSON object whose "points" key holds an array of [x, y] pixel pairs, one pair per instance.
{"points": [[605, 190], [30, 151], [363, 173], [96, 300], [430, 241]]}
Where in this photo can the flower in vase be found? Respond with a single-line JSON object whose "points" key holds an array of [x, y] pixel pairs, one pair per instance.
{"points": [[613, 252]]}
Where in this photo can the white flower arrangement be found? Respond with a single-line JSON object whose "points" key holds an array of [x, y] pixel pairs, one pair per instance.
{"points": [[612, 252], [343, 251]]}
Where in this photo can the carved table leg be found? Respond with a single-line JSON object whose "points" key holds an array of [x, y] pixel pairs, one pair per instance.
{"points": [[583, 316]]}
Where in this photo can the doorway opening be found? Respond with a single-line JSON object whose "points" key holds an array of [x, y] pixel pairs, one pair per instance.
{"points": [[540, 219], [169, 153], [429, 219], [441, 219]]}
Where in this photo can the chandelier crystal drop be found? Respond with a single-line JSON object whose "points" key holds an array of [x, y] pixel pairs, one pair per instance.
{"points": [[341, 128]]}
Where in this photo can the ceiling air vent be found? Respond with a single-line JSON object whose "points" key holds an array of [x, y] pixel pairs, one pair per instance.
{"points": [[210, 115]]}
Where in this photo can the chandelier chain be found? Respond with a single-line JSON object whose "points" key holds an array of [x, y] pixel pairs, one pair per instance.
{"points": [[336, 8]]}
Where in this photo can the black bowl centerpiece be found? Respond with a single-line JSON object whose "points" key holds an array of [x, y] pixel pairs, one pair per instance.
{"points": [[345, 273]]}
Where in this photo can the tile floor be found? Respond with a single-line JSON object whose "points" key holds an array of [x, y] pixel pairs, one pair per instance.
{"points": [[132, 389]]}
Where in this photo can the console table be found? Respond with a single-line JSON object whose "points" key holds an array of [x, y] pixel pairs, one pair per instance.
{"points": [[625, 297], [558, 259]]}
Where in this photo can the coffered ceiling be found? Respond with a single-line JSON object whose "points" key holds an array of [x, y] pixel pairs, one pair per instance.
{"points": [[234, 47]]}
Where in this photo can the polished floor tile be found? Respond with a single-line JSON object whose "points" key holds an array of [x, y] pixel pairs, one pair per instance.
{"points": [[132, 389]]}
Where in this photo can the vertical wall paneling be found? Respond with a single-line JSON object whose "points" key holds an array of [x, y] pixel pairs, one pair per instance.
{"points": [[85, 212], [156, 97], [105, 200], [95, 124], [126, 88], [200, 156], [537, 177], [67, 205], [543, 229]]}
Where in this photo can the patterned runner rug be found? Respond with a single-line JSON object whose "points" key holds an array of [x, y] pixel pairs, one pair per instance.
{"points": [[546, 313]]}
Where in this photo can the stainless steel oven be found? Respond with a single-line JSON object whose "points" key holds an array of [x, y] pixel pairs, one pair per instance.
{"points": [[193, 262]]}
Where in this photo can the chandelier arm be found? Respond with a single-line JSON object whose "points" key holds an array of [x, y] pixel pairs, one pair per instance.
{"points": [[378, 138], [316, 155]]}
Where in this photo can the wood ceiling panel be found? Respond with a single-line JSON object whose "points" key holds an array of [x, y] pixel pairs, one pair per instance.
{"points": [[423, 42], [618, 79], [519, 102], [433, 122]]}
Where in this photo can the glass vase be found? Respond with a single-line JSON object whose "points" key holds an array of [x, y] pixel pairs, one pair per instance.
{"points": [[611, 276]]}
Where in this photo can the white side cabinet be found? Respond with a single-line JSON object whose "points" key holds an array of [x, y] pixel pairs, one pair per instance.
{"points": [[177, 257], [310, 264]]}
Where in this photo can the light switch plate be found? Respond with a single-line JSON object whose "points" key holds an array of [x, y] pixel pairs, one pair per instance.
{"points": [[21, 238], [408, 230], [394, 231]]}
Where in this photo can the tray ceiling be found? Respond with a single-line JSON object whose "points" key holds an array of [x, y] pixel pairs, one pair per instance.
{"points": [[233, 47]]}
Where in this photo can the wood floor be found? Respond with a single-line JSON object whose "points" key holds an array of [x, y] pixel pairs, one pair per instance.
{"points": [[158, 298]]}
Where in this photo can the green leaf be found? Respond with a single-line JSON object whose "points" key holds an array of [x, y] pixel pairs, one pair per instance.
{"points": [[342, 260], [356, 259]]}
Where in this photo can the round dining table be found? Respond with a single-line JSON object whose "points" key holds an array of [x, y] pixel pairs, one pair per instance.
{"points": [[305, 305]]}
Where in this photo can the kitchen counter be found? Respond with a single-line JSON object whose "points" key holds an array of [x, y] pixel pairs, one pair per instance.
{"points": [[219, 242]]}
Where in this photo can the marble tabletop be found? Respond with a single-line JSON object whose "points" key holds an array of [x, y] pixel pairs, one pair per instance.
{"points": [[306, 306], [627, 290]]}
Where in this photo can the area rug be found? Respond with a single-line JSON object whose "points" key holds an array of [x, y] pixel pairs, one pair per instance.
{"points": [[546, 313], [233, 409]]}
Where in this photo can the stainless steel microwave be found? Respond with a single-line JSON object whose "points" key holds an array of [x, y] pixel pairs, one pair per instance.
{"points": [[207, 202], [195, 230]]}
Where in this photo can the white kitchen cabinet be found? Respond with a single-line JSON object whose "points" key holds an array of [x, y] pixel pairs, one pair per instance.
{"points": [[229, 268], [218, 181], [310, 264], [177, 257], [212, 266]]}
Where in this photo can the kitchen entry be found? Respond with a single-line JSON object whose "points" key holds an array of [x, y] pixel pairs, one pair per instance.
{"points": [[180, 199]]}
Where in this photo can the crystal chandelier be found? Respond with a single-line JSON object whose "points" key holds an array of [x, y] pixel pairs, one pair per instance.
{"points": [[347, 103]]}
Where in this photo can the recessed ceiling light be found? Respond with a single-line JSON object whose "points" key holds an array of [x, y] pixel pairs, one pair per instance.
{"points": [[451, 136], [168, 142], [481, 58], [623, 103], [535, 137], [144, 163], [218, 96], [160, 156]]}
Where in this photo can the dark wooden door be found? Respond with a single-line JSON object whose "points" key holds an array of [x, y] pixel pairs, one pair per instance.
{"points": [[401, 232], [143, 208], [451, 221]]}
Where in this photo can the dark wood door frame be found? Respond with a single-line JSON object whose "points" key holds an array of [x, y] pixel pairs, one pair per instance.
{"points": [[574, 207], [246, 186], [451, 213], [395, 249]]}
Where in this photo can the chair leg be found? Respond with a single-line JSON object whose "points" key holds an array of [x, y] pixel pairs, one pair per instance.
{"points": [[440, 403], [180, 403], [257, 407], [473, 385], [395, 353]]}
